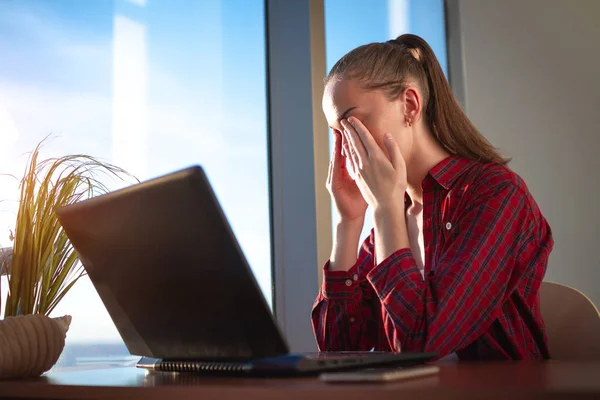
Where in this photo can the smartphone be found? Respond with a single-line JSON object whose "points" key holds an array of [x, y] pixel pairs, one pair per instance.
{"points": [[380, 374]]}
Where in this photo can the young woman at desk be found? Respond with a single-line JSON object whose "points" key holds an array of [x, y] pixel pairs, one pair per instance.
{"points": [[459, 247]]}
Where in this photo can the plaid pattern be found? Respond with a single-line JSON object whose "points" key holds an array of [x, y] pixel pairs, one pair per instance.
{"points": [[486, 250]]}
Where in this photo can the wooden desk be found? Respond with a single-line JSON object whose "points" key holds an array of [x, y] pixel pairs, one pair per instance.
{"points": [[508, 380]]}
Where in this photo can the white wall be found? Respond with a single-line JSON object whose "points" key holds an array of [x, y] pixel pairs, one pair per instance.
{"points": [[532, 86]]}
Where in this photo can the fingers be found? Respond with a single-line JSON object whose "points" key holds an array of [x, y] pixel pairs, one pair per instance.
{"points": [[358, 152], [330, 174], [337, 144], [338, 151], [336, 157], [394, 151], [337, 166], [345, 146], [364, 135], [351, 155]]}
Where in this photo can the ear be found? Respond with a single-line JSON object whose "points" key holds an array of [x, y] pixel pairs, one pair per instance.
{"points": [[412, 104]]}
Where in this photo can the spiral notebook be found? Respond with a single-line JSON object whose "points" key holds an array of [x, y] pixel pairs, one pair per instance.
{"points": [[287, 365], [167, 266]]}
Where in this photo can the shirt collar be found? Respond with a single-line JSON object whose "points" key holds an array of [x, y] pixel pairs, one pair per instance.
{"points": [[449, 170]]}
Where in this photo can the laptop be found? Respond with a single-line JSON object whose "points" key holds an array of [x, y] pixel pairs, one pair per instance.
{"points": [[167, 266]]}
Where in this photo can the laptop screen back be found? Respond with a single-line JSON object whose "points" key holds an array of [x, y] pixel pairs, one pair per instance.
{"points": [[170, 272]]}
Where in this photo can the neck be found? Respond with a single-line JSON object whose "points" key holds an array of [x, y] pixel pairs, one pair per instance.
{"points": [[426, 153]]}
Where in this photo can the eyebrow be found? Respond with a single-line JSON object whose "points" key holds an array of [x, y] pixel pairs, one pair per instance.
{"points": [[345, 113]]}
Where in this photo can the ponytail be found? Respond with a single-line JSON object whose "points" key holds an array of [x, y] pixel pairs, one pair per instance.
{"points": [[445, 116], [388, 66]]}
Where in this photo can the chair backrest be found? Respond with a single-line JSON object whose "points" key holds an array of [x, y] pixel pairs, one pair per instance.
{"points": [[572, 323]]}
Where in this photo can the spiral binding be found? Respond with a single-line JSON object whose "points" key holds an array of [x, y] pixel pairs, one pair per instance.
{"points": [[201, 366]]}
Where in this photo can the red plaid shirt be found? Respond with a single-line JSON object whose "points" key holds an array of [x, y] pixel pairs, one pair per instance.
{"points": [[486, 250]]}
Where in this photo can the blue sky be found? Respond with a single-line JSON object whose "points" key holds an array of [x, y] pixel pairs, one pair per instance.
{"points": [[196, 71]]}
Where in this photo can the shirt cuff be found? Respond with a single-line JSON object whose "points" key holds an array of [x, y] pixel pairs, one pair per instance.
{"points": [[343, 284], [399, 266]]}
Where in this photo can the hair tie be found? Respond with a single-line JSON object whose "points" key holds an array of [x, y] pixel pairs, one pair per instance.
{"points": [[413, 51]]}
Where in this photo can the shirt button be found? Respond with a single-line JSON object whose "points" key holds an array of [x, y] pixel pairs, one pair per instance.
{"points": [[348, 282], [448, 225], [355, 277], [352, 320]]}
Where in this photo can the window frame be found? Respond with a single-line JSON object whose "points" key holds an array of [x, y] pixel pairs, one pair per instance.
{"points": [[298, 162]]}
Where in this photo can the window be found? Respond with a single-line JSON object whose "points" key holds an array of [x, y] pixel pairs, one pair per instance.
{"points": [[152, 86], [352, 23]]}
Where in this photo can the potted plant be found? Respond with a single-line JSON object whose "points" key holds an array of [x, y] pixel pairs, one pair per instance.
{"points": [[43, 265]]}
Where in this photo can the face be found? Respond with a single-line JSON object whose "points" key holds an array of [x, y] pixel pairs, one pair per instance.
{"points": [[344, 98]]}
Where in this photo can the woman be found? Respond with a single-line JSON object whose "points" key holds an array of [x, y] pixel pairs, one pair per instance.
{"points": [[459, 247]]}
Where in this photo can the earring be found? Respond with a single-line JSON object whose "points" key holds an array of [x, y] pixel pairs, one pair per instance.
{"points": [[408, 121]]}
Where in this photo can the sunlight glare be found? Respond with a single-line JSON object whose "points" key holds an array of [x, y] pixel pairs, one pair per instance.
{"points": [[130, 111], [398, 17]]}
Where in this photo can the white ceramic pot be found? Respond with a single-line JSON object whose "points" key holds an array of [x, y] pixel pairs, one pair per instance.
{"points": [[31, 344]]}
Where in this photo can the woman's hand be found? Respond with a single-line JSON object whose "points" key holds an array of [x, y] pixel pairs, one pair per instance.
{"points": [[348, 200], [381, 180]]}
